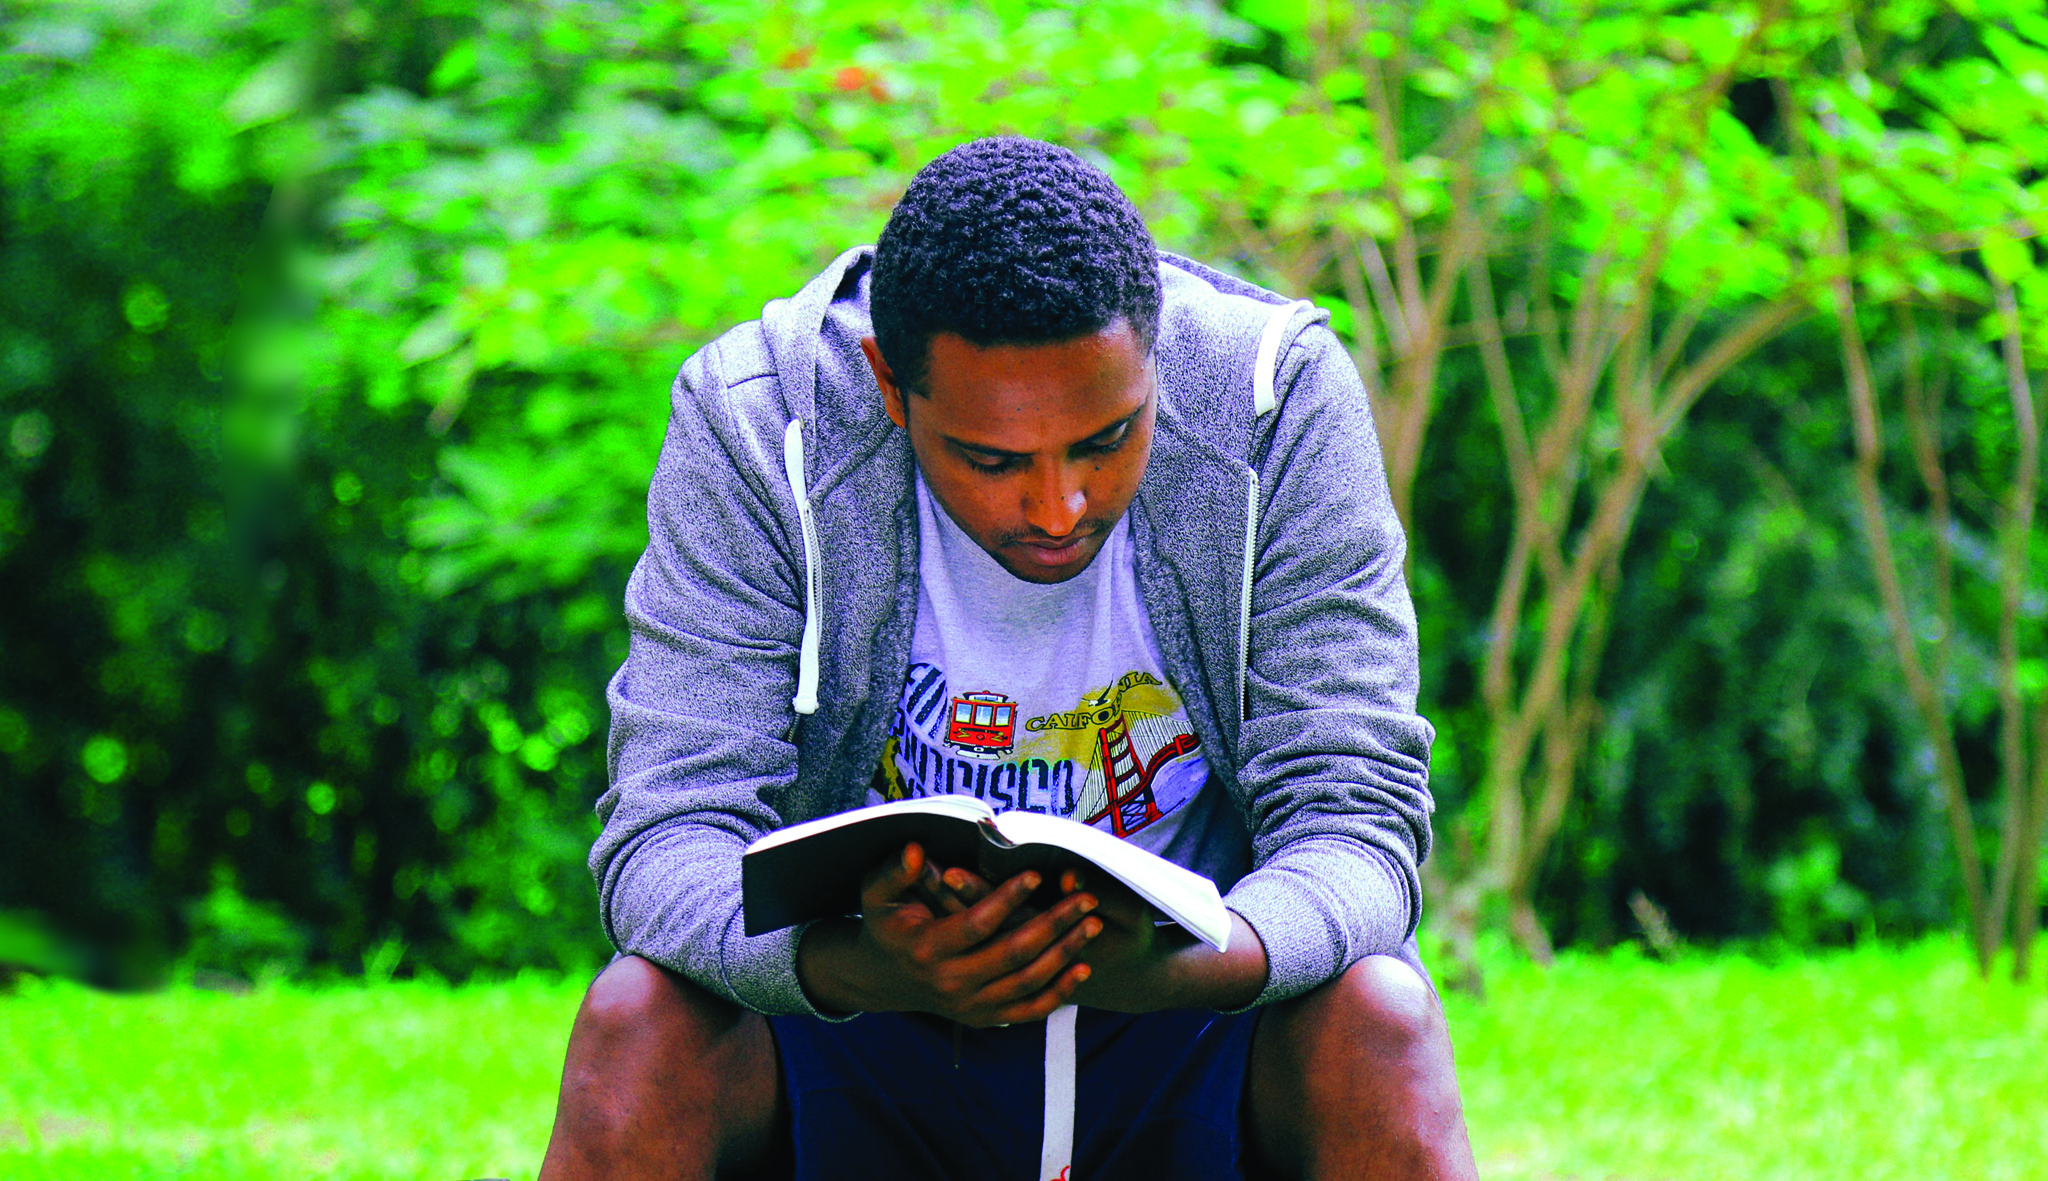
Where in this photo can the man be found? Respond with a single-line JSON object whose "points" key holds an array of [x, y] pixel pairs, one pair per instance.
{"points": [[1014, 504]]}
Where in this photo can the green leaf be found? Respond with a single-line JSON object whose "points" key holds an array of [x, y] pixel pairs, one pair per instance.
{"points": [[2005, 256], [441, 331]]}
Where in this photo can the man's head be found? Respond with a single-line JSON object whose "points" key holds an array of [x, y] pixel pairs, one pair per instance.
{"points": [[1016, 301]]}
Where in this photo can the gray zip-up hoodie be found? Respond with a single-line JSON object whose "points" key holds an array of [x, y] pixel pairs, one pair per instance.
{"points": [[771, 619]]}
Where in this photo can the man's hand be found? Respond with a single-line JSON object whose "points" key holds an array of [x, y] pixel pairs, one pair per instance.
{"points": [[1133, 956], [1136, 965], [986, 962]]}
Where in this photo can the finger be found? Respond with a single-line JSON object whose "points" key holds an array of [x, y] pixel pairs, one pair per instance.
{"points": [[1120, 903], [968, 887], [1039, 1007], [1042, 971], [973, 927], [1018, 948], [933, 889], [888, 882], [971, 889]]}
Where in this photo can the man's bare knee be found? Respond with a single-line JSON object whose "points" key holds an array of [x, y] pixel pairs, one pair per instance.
{"points": [[635, 999], [1378, 1003], [1388, 1002]]}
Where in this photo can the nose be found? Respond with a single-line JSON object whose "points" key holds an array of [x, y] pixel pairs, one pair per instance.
{"points": [[1055, 501]]}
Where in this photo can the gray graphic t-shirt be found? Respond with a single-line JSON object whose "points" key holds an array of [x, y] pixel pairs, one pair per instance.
{"points": [[1053, 699]]}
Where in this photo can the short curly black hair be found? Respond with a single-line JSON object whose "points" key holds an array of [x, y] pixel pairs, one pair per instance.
{"points": [[1009, 240]]}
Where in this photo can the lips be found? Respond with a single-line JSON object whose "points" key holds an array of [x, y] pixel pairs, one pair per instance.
{"points": [[1052, 554]]}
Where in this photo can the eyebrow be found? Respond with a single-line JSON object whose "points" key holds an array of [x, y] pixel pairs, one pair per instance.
{"points": [[999, 453]]}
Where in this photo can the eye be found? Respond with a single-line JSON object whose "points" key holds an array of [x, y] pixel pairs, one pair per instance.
{"points": [[1107, 442], [992, 468]]}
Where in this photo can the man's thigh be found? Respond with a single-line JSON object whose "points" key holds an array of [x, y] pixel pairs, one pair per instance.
{"points": [[903, 1094]]}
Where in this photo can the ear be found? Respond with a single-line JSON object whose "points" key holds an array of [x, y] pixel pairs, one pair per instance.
{"points": [[885, 380]]}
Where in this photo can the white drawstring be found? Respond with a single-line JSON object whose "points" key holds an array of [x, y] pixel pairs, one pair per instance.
{"points": [[806, 699], [1265, 370], [1056, 1153]]}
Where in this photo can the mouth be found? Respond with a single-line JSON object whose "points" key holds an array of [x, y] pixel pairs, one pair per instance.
{"points": [[1053, 554]]}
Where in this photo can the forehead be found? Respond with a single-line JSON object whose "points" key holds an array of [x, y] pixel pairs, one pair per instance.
{"points": [[1028, 397]]}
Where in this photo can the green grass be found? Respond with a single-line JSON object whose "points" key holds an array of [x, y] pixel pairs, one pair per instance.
{"points": [[1867, 1065], [1871, 1065], [403, 1080]]}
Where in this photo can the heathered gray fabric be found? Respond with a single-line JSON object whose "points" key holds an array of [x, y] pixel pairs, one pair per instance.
{"points": [[1325, 752]]}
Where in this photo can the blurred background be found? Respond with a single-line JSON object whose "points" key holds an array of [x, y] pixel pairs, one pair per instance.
{"points": [[335, 342]]}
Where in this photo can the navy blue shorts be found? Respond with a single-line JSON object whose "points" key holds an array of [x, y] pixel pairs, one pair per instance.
{"points": [[911, 1096]]}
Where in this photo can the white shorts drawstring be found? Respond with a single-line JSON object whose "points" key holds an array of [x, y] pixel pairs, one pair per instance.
{"points": [[1056, 1156]]}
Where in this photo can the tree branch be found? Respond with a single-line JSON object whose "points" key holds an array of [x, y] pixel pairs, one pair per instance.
{"points": [[1877, 534]]}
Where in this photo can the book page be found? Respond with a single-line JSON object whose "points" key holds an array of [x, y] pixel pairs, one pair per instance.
{"points": [[1184, 895]]}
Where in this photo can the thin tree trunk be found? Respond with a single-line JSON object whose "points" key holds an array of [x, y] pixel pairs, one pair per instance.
{"points": [[2027, 913], [2015, 529], [1573, 727], [1877, 534], [1565, 737]]}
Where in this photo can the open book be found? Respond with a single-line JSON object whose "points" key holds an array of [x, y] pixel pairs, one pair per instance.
{"points": [[814, 870]]}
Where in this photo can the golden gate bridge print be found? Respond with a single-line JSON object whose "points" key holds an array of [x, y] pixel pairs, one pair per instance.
{"points": [[1127, 782]]}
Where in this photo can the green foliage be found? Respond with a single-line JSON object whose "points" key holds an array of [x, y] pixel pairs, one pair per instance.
{"points": [[304, 625], [1879, 1063], [230, 721], [1749, 739]]}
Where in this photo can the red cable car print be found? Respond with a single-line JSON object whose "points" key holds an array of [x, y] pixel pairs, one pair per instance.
{"points": [[982, 725]]}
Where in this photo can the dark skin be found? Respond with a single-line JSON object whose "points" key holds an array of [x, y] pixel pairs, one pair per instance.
{"points": [[1036, 452]]}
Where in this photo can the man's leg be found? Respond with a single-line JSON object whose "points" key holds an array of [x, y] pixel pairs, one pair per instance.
{"points": [[663, 1080], [1354, 1080]]}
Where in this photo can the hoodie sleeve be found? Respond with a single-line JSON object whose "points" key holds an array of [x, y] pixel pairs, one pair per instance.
{"points": [[701, 722], [1333, 759]]}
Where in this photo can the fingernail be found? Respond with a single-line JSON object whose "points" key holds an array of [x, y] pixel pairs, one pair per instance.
{"points": [[1031, 880], [1087, 904], [1091, 928], [1084, 972]]}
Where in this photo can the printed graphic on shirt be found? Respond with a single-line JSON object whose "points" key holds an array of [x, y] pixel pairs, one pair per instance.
{"points": [[1121, 759]]}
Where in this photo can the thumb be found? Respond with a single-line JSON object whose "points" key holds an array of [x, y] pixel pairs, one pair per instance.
{"points": [[892, 879]]}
